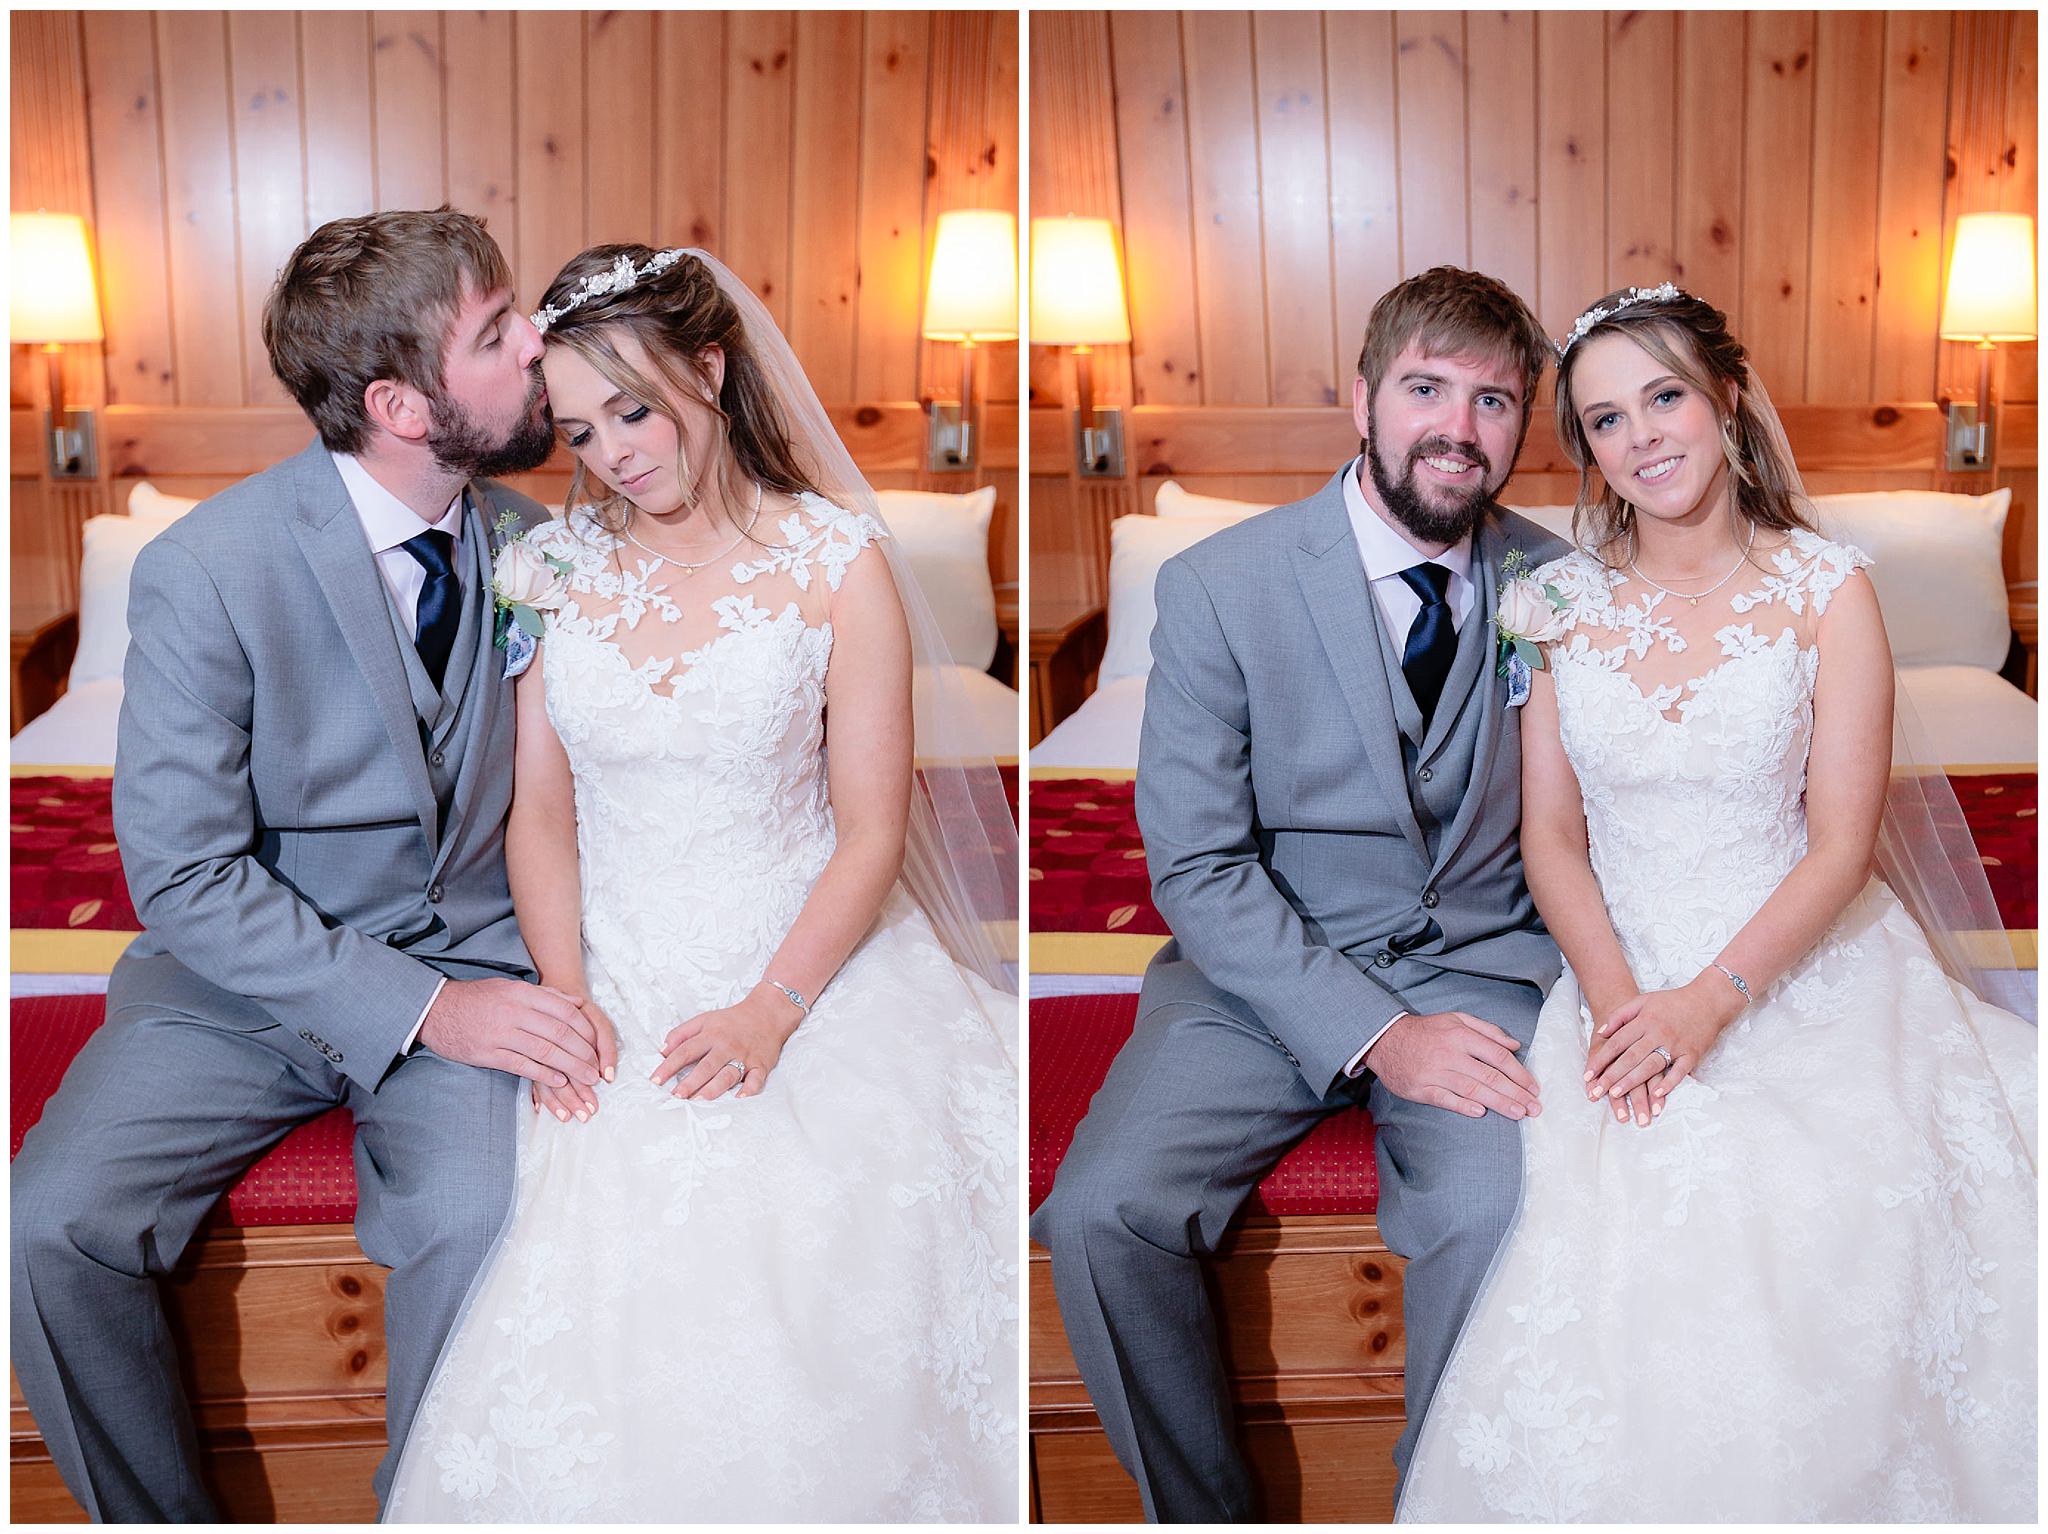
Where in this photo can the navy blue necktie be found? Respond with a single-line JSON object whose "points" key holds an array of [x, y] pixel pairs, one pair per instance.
{"points": [[1432, 642], [440, 610]]}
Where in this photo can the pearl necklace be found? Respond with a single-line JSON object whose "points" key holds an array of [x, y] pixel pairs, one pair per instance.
{"points": [[1694, 600], [682, 565]]}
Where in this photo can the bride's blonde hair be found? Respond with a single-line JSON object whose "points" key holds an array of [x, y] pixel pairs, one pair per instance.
{"points": [[1690, 337], [676, 314]]}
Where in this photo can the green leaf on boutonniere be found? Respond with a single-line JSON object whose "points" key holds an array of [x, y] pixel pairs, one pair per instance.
{"points": [[1532, 657], [528, 620]]}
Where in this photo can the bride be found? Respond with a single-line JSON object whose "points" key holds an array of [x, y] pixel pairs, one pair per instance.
{"points": [[767, 1268], [1779, 1263]]}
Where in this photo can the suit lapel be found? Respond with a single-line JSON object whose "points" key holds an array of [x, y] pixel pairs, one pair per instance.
{"points": [[1488, 693], [330, 535], [482, 676], [1326, 563]]}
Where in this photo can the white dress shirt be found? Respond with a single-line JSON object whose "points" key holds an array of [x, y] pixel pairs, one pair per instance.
{"points": [[388, 523], [1385, 554]]}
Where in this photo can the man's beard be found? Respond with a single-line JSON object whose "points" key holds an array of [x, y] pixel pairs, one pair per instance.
{"points": [[1407, 504], [461, 446]]}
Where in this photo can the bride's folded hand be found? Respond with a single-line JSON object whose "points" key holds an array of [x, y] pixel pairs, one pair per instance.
{"points": [[1653, 1041], [576, 1100], [733, 1047]]}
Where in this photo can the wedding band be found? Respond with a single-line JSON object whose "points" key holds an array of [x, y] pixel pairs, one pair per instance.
{"points": [[1659, 1049], [738, 1067]]}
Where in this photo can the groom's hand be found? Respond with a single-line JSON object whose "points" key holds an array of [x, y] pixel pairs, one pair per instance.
{"points": [[1454, 1060], [508, 1025]]}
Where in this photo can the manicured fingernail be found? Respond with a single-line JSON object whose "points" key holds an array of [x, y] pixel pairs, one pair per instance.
{"points": [[582, 1117], [561, 1115], [610, 1071]]}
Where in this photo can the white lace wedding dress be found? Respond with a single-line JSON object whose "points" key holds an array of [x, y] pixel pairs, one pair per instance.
{"points": [[797, 1306], [1807, 1291]]}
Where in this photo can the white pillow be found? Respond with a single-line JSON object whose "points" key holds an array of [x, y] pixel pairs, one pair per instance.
{"points": [[945, 539], [1552, 519], [111, 544], [1172, 501], [145, 500], [1138, 546], [1939, 571]]}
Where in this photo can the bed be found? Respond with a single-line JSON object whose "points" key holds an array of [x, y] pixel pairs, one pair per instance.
{"points": [[1307, 1295], [279, 1315]]}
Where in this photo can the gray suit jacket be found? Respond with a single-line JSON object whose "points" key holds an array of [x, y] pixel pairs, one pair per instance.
{"points": [[1279, 814], [272, 795]]}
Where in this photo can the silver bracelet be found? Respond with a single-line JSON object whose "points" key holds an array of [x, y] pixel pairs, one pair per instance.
{"points": [[1736, 980], [794, 995]]}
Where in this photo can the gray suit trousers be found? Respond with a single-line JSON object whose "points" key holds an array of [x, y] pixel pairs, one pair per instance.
{"points": [[158, 1115], [1195, 1109]]}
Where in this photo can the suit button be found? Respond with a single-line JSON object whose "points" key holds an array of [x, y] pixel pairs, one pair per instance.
{"points": [[434, 893], [1383, 959], [440, 757], [1425, 774], [1429, 899]]}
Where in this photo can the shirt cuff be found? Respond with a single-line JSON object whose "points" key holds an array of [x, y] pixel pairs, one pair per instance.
{"points": [[1357, 1066], [414, 1037]]}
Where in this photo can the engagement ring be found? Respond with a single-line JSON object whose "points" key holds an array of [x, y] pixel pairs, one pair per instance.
{"points": [[1659, 1049], [738, 1067]]}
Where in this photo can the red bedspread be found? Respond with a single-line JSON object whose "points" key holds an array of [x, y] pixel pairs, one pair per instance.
{"points": [[1088, 870], [308, 1178], [65, 870]]}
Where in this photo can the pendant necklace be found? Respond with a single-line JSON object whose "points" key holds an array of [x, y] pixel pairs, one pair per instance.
{"points": [[692, 569], [1694, 599]]}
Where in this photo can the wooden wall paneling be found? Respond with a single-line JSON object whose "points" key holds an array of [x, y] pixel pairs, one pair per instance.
{"points": [[550, 160], [1911, 172], [1365, 181], [1848, 92], [1152, 137], [1429, 85], [200, 204], [1642, 147], [1074, 170], [128, 197], [618, 82], [1976, 144], [1500, 115], [334, 75], [825, 151], [477, 112], [689, 132], [1708, 253], [2019, 192], [1776, 217], [1294, 198], [759, 73], [405, 58], [894, 96], [1223, 162], [270, 178], [1571, 156], [965, 123], [1002, 187], [50, 158]]}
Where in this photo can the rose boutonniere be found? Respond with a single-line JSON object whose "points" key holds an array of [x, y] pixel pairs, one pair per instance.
{"points": [[1529, 615], [524, 584]]}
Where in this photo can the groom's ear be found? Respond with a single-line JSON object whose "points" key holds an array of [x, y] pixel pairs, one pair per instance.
{"points": [[397, 408]]}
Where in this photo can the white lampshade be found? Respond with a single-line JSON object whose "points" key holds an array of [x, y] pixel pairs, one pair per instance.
{"points": [[1990, 280], [1077, 284], [52, 297], [972, 295]]}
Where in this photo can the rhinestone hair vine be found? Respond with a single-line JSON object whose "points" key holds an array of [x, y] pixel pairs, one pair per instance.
{"points": [[1664, 292], [616, 278]]}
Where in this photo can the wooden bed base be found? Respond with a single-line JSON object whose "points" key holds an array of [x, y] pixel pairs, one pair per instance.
{"points": [[281, 1330], [1312, 1336]]}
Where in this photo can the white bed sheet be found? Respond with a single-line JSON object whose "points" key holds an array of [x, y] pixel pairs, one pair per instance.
{"points": [[1973, 715]]}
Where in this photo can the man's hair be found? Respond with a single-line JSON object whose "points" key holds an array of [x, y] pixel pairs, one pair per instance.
{"points": [[1450, 312], [369, 298]]}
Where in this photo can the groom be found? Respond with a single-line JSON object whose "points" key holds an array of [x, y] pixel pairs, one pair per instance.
{"points": [[1329, 787], [310, 793]]}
